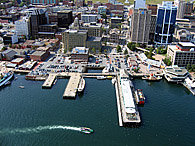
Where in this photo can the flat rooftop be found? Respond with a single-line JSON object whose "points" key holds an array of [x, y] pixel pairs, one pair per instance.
{"points": [[80, 50], [186, 44]]}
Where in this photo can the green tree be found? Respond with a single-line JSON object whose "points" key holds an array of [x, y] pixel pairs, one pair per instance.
{"points": [[69, 49], [188, 67], [21, 4], [125, 52], [133, 47], [10, 45], [118, 48], [4, 48], [105, 51], [93, 50], [100, 50]]}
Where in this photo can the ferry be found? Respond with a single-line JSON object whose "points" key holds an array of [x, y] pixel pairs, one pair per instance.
{"points": [[140, 96], [81, 85], [101, 77], [86, 130], [5, 77]]}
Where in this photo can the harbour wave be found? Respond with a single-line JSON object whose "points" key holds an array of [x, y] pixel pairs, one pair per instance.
{"points": [[38, 129]]}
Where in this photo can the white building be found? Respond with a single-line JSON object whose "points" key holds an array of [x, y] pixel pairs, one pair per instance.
{"points": [[182, 54], [139, 4], [22, 27], [87, 18]]}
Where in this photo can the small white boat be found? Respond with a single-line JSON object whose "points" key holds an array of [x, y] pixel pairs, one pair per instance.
{"points": [[81, 85], [101, 77], [21, 87], [16, 78], [113, 81]]}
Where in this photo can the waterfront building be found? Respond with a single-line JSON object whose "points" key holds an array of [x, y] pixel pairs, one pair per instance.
{"points": [[175, 73], [88, 18], [139, 4], [140, 26], [184, 35], [182, 54], [23, 27], [38, 56], [8, 55], [165, 23], [74, 38], [64, 18], [80, 54], [43, 2]]}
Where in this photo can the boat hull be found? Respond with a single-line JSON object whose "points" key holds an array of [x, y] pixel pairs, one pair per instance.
{"points": [[81, 85], [6, 80]]}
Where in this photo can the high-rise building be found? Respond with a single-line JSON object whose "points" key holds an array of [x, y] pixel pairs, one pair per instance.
{"points": [[37, 17], [165, 23], [43, 1], [140, 26], [180, 8], [23, 27], [188, 8], [139, 4], [64, 18]]}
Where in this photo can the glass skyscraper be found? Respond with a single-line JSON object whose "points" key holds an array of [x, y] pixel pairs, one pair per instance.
{"points": [[165, 23]]}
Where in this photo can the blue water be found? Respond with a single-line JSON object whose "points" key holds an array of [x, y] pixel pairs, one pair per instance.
{"points": [[36, 116]]}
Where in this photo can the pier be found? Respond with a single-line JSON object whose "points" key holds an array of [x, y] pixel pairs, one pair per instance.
{"points": [[71, 88], [118, 104], [49, 81]]}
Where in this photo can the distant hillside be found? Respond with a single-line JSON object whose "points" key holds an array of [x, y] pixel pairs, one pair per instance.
{"points": [[132, 1]]}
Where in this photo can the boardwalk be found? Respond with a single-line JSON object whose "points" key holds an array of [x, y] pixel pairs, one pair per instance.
{"points": [[71, 88], [49, 81]]}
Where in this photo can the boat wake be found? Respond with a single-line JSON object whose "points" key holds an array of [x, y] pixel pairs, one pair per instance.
{"points": [[38, 129]]}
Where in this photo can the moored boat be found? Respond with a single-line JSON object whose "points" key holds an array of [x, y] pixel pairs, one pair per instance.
{"points": [[86, 130], [152, 77], [101, 77], [81, 85], [21, 87], [5, 77], [140, 96]]}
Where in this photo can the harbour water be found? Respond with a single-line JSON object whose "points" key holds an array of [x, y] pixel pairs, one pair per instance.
{"points": [[36, 116]]}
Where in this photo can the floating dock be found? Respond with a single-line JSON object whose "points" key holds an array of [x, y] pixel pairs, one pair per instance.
{"points": [[71, 88], [49, 81]]}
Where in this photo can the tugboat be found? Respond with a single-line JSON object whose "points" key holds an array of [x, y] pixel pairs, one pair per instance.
{"points": [[86, 130], [140, 97]]}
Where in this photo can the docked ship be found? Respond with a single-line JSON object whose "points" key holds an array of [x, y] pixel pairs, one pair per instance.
{"points": [[101, 77], [86, 130], [152, 77], [81, 85], [5, 77], [129, 109], [140, 96]]}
